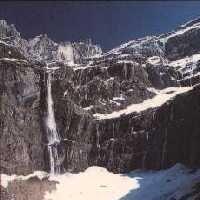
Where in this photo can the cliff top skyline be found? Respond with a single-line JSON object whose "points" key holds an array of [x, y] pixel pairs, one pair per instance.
{"points": [[111, 23]]}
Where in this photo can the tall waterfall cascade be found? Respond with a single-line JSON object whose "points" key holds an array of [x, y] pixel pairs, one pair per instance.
{"points": [[52, 133]]}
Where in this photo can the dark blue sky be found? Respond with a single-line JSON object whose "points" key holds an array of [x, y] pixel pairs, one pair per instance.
{"points": [[107, 23]]}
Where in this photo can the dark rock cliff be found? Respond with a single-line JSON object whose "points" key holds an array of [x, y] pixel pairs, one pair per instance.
{"points": [[154, 138], [21, 135], [175, 132]]}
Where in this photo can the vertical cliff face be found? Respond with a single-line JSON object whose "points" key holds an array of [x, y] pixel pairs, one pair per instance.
{"points": [[21, 134], [120, 142], [174, 134]]}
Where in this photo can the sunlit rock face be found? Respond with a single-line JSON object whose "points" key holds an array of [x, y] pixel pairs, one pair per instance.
{"points": [[103, 103]]}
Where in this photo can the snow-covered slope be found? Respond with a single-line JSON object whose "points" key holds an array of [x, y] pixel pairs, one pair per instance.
{"points": [[161, 97]]}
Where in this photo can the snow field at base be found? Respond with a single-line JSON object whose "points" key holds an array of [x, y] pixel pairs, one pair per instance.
{"points": [[96, 183]]}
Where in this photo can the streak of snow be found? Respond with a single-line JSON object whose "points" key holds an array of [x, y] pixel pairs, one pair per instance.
{"points": [[95, 56], [120, 98], [89, 107], [115, 102], [78, 67], [51, 68], [13, 60], [183, 30], [154, 60], [126, 61], [123, 55]]}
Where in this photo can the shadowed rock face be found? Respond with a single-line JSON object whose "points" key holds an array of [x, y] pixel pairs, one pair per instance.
{"points": [[175, 133], [21, 134], [155, 138], [183, 45], [130, 141]]}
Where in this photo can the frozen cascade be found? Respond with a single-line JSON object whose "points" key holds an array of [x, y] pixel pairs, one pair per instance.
{"points": [[52, 134]]}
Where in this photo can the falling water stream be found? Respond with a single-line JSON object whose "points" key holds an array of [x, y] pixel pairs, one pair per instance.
{"points": [[52, 134]]}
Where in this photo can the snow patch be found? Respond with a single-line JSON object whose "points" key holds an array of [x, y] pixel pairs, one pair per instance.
{"points": [[183, 30], [89, 107], [78, 67], [5, 179], [120, 98]]}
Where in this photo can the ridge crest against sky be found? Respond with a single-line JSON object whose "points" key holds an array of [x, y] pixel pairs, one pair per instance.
{"points": [[107, 23]]}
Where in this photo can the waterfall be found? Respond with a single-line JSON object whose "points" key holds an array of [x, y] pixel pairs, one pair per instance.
{"points": [[52, 134]]}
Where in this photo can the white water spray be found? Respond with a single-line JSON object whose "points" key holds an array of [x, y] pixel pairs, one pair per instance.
{"points": [[52, 134]]}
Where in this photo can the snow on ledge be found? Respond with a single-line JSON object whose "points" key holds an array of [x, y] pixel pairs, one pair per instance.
{"points": [[89, 107], [183, 30], [158, 100], [126, 62], [154, 60], [184, 61]]}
